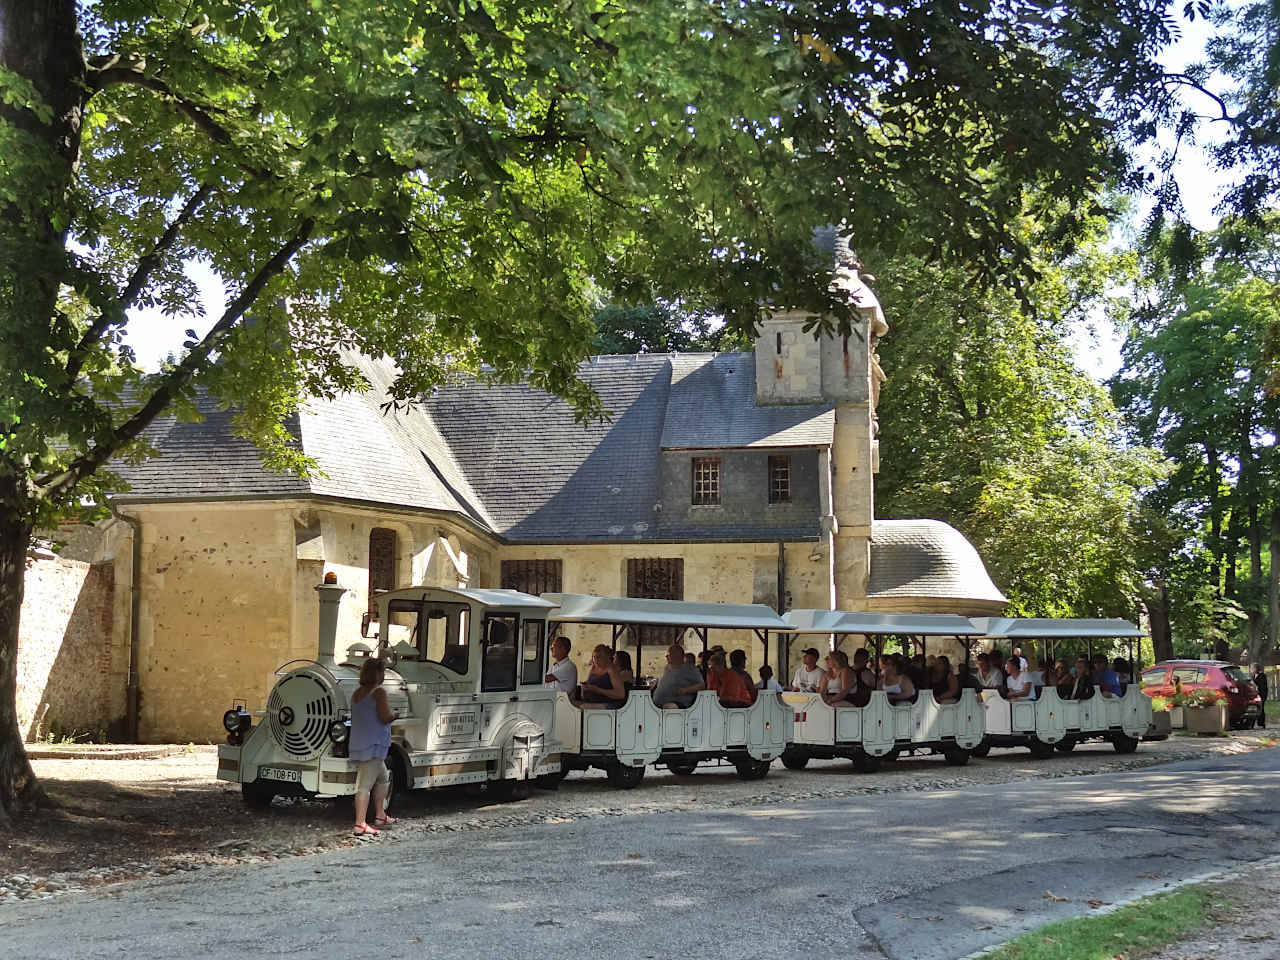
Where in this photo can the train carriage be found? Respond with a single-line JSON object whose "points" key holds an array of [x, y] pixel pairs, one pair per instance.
{"points": [[623, 742], [465, 673], [1049, 722], [880, 730]]}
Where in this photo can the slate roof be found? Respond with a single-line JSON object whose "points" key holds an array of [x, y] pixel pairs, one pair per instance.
{"points": [[926, 558], [713, 405], [546, 477]]}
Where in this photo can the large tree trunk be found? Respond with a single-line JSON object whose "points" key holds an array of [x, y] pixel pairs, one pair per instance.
{"points": [[18, 788], [1231, 554], [1157, 604], [1273, 605], [1216, 545], [39, 41]]}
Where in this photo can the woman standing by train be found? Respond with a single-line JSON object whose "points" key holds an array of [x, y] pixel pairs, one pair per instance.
{"points": [[371, 717]]}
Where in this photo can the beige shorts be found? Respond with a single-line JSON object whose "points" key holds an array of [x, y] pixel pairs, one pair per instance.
{"points": [[370, 774]]}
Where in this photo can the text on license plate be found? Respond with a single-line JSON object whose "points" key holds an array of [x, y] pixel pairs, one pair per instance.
{"points": [[280, 773]]}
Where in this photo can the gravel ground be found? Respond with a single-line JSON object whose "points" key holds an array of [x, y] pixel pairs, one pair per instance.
{"points": [[124, 819], [1249, 932]]}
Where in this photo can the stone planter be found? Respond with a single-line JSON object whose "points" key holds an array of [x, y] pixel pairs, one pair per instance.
{"points": [[1161, 725], [1206, 719], [1177, 720]]}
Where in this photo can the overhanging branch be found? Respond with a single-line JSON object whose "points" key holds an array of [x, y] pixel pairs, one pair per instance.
{"points": [[58, 484], [142, 272]]}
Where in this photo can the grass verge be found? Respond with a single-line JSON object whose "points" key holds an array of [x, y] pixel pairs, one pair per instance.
{"points": [[1133, 931]]}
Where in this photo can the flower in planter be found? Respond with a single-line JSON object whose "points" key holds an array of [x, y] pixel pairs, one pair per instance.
{"points": [[1204, 697], [1161, 704]]}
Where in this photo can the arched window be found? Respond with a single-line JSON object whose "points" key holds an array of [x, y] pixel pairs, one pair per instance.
{"points": [[382, 564]]}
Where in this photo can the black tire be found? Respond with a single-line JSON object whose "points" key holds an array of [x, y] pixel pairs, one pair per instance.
{"points": [[794, 759], [1041, 750], [257, 795], [683, 768], [865, 763], [507, 790], [1065, 745], [956, 756], [624, 777], [1124, 743], [549, 781], [399, 781], [892, 755], [753, 769], [981, 750]]}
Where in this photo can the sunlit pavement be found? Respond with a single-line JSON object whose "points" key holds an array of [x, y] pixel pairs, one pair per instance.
{"points": [[908, 875]]}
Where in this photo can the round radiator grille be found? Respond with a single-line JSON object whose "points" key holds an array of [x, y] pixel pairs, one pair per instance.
{"points": [[300, 711]]}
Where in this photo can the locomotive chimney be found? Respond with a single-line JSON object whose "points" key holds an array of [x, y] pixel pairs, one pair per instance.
{"points": [[330, 597]]}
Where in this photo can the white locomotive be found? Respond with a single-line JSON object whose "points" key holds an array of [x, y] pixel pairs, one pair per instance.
{"points": [[465, 673]]}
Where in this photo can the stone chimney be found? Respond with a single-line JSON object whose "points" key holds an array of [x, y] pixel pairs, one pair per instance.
{"points": [[330, 598]]}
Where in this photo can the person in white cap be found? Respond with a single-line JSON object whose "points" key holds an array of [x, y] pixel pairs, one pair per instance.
{"points": [[808, 675]]}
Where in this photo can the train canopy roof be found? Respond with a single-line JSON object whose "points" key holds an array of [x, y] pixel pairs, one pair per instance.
{"points": [[583, 608], [911, 624], [490, 598], [1043, 628]]}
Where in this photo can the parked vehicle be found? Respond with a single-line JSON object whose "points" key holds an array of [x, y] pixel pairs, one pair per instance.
{"points": [[1244, 706]]}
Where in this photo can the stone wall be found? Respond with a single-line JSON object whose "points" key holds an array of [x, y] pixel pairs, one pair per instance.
{"points": [[744, 490], [71, 666]]}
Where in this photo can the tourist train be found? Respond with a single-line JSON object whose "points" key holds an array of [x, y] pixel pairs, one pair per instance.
{"points": [[466, 672]]}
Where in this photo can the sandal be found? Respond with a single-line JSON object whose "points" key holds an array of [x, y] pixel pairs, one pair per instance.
{"points": [[364, 830], [386, 821]]}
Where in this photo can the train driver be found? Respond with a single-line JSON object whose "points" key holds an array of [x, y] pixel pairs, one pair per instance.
{"points": [[562, 672]]}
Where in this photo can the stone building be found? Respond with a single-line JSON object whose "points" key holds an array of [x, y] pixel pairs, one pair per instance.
{"points": [[737, 476]]}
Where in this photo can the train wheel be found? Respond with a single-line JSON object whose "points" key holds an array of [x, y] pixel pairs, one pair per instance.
{"points": [[892, 755], [504, 790], [1124, 744], [981, 750], [550, 781], [956, 756], [257, 795], [794, 759], [1041, 750], [865, 763], [683, 768], [624, 777], [753, 769], [1065, 745]]}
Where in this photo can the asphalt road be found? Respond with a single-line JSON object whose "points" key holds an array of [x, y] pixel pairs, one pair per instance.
{"points": [[908, 875]]}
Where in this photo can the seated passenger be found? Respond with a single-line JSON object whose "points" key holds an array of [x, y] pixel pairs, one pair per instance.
{"points": [[604, 688], [896, 685], [864, 679], [562, 672], [738, 664], [945, 686], [728, 685], [680, 682], [916, 670], [837, 683], [1121, 667], [766, 680], [1048, 676], [623, 660], [990, 677], [1018, 685], [1104, 678], [692, 661], [967, 679], [808, 674], [1079, 687]]}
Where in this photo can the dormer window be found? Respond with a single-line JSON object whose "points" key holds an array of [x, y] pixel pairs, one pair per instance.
{"points": [[780, 479], [706, 481]]}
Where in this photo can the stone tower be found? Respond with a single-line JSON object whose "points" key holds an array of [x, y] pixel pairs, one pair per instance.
{"points": [[795, 366]]}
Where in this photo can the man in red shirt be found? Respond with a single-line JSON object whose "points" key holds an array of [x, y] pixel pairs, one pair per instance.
{"points": [[728, 684]]}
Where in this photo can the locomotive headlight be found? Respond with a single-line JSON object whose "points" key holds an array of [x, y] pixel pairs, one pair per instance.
{"points": [[236, 719], [339, 730]]}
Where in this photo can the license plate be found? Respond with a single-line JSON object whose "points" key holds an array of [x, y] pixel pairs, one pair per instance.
{"points": [[280, 773]]}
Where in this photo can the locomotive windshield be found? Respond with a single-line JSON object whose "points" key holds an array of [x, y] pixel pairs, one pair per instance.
{"points": [[430, 633]]}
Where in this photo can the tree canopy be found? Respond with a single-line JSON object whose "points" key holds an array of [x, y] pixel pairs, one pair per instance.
{"points": [[987, 423], [1199, 381]]}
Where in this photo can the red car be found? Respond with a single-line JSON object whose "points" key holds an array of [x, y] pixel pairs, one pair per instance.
{"points": [[1244, 706]]}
